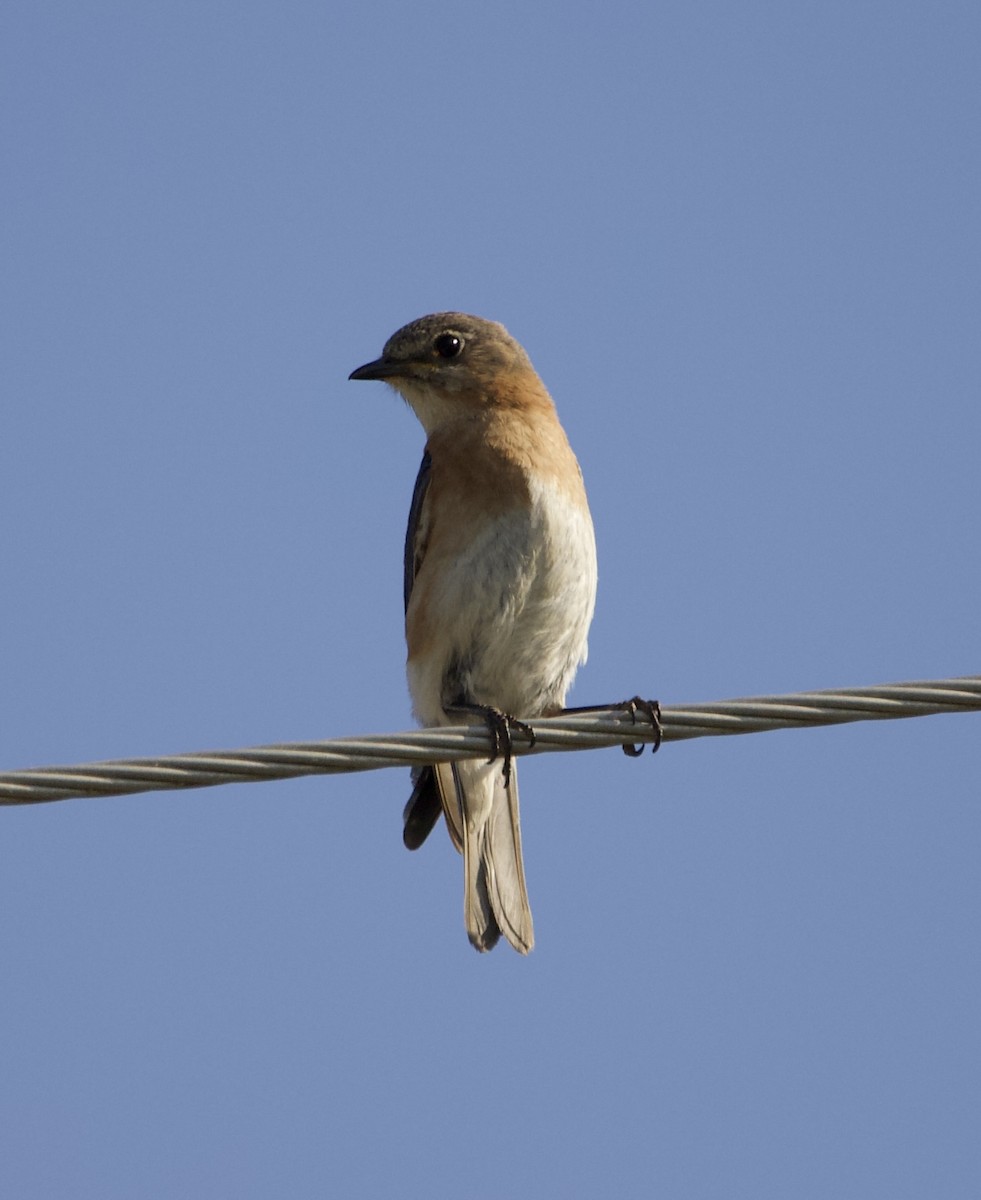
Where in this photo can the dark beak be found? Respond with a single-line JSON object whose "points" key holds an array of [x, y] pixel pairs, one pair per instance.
{"points": [[381, 368]]}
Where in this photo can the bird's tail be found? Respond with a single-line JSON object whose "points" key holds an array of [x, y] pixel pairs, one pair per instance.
{"points": [[482, 814]]}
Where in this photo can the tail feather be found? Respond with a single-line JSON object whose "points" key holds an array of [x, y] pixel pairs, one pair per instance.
{"points": [[423, 808], [452, 798], [495, 894], [478, 911], [434, 794], [483, 823]]}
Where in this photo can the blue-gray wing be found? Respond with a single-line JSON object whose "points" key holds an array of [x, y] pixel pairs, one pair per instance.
{"points": [[425, 804], [414, 534]]}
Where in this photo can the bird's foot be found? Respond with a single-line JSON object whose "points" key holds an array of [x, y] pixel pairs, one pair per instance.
{"points": [[650, 708], [500, 726]]}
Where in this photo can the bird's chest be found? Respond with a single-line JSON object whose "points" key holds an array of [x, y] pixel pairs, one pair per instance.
{"points": [[500, 608]]}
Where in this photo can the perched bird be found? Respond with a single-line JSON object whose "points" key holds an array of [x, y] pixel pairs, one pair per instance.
{"points": [[500, 582]]}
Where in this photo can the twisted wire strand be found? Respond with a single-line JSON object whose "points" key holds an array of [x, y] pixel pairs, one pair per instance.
{"points": [[612, 726]]}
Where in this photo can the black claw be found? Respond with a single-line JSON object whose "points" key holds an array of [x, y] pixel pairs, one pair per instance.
{"points": [[499, 725], [652, 710]]}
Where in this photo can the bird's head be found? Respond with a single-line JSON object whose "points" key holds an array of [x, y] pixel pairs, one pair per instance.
{"points": [[448, 364]]}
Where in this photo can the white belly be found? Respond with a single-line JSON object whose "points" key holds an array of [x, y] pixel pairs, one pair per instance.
{"points": [[516, 608]]}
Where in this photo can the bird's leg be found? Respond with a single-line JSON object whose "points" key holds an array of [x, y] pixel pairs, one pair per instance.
{"points": [[650, 708], [500, 726]]}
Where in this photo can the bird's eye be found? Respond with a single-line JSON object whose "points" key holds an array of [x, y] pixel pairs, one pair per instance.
{"points": [[449, 345]]}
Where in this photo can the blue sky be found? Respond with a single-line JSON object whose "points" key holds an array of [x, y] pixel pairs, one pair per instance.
{"points": [[741, 244]]}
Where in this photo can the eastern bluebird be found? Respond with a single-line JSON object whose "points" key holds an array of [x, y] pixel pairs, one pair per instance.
{"points": [[500, 582]]}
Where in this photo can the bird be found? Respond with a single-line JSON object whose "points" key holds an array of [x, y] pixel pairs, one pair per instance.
{"points": [[499, 587]]}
